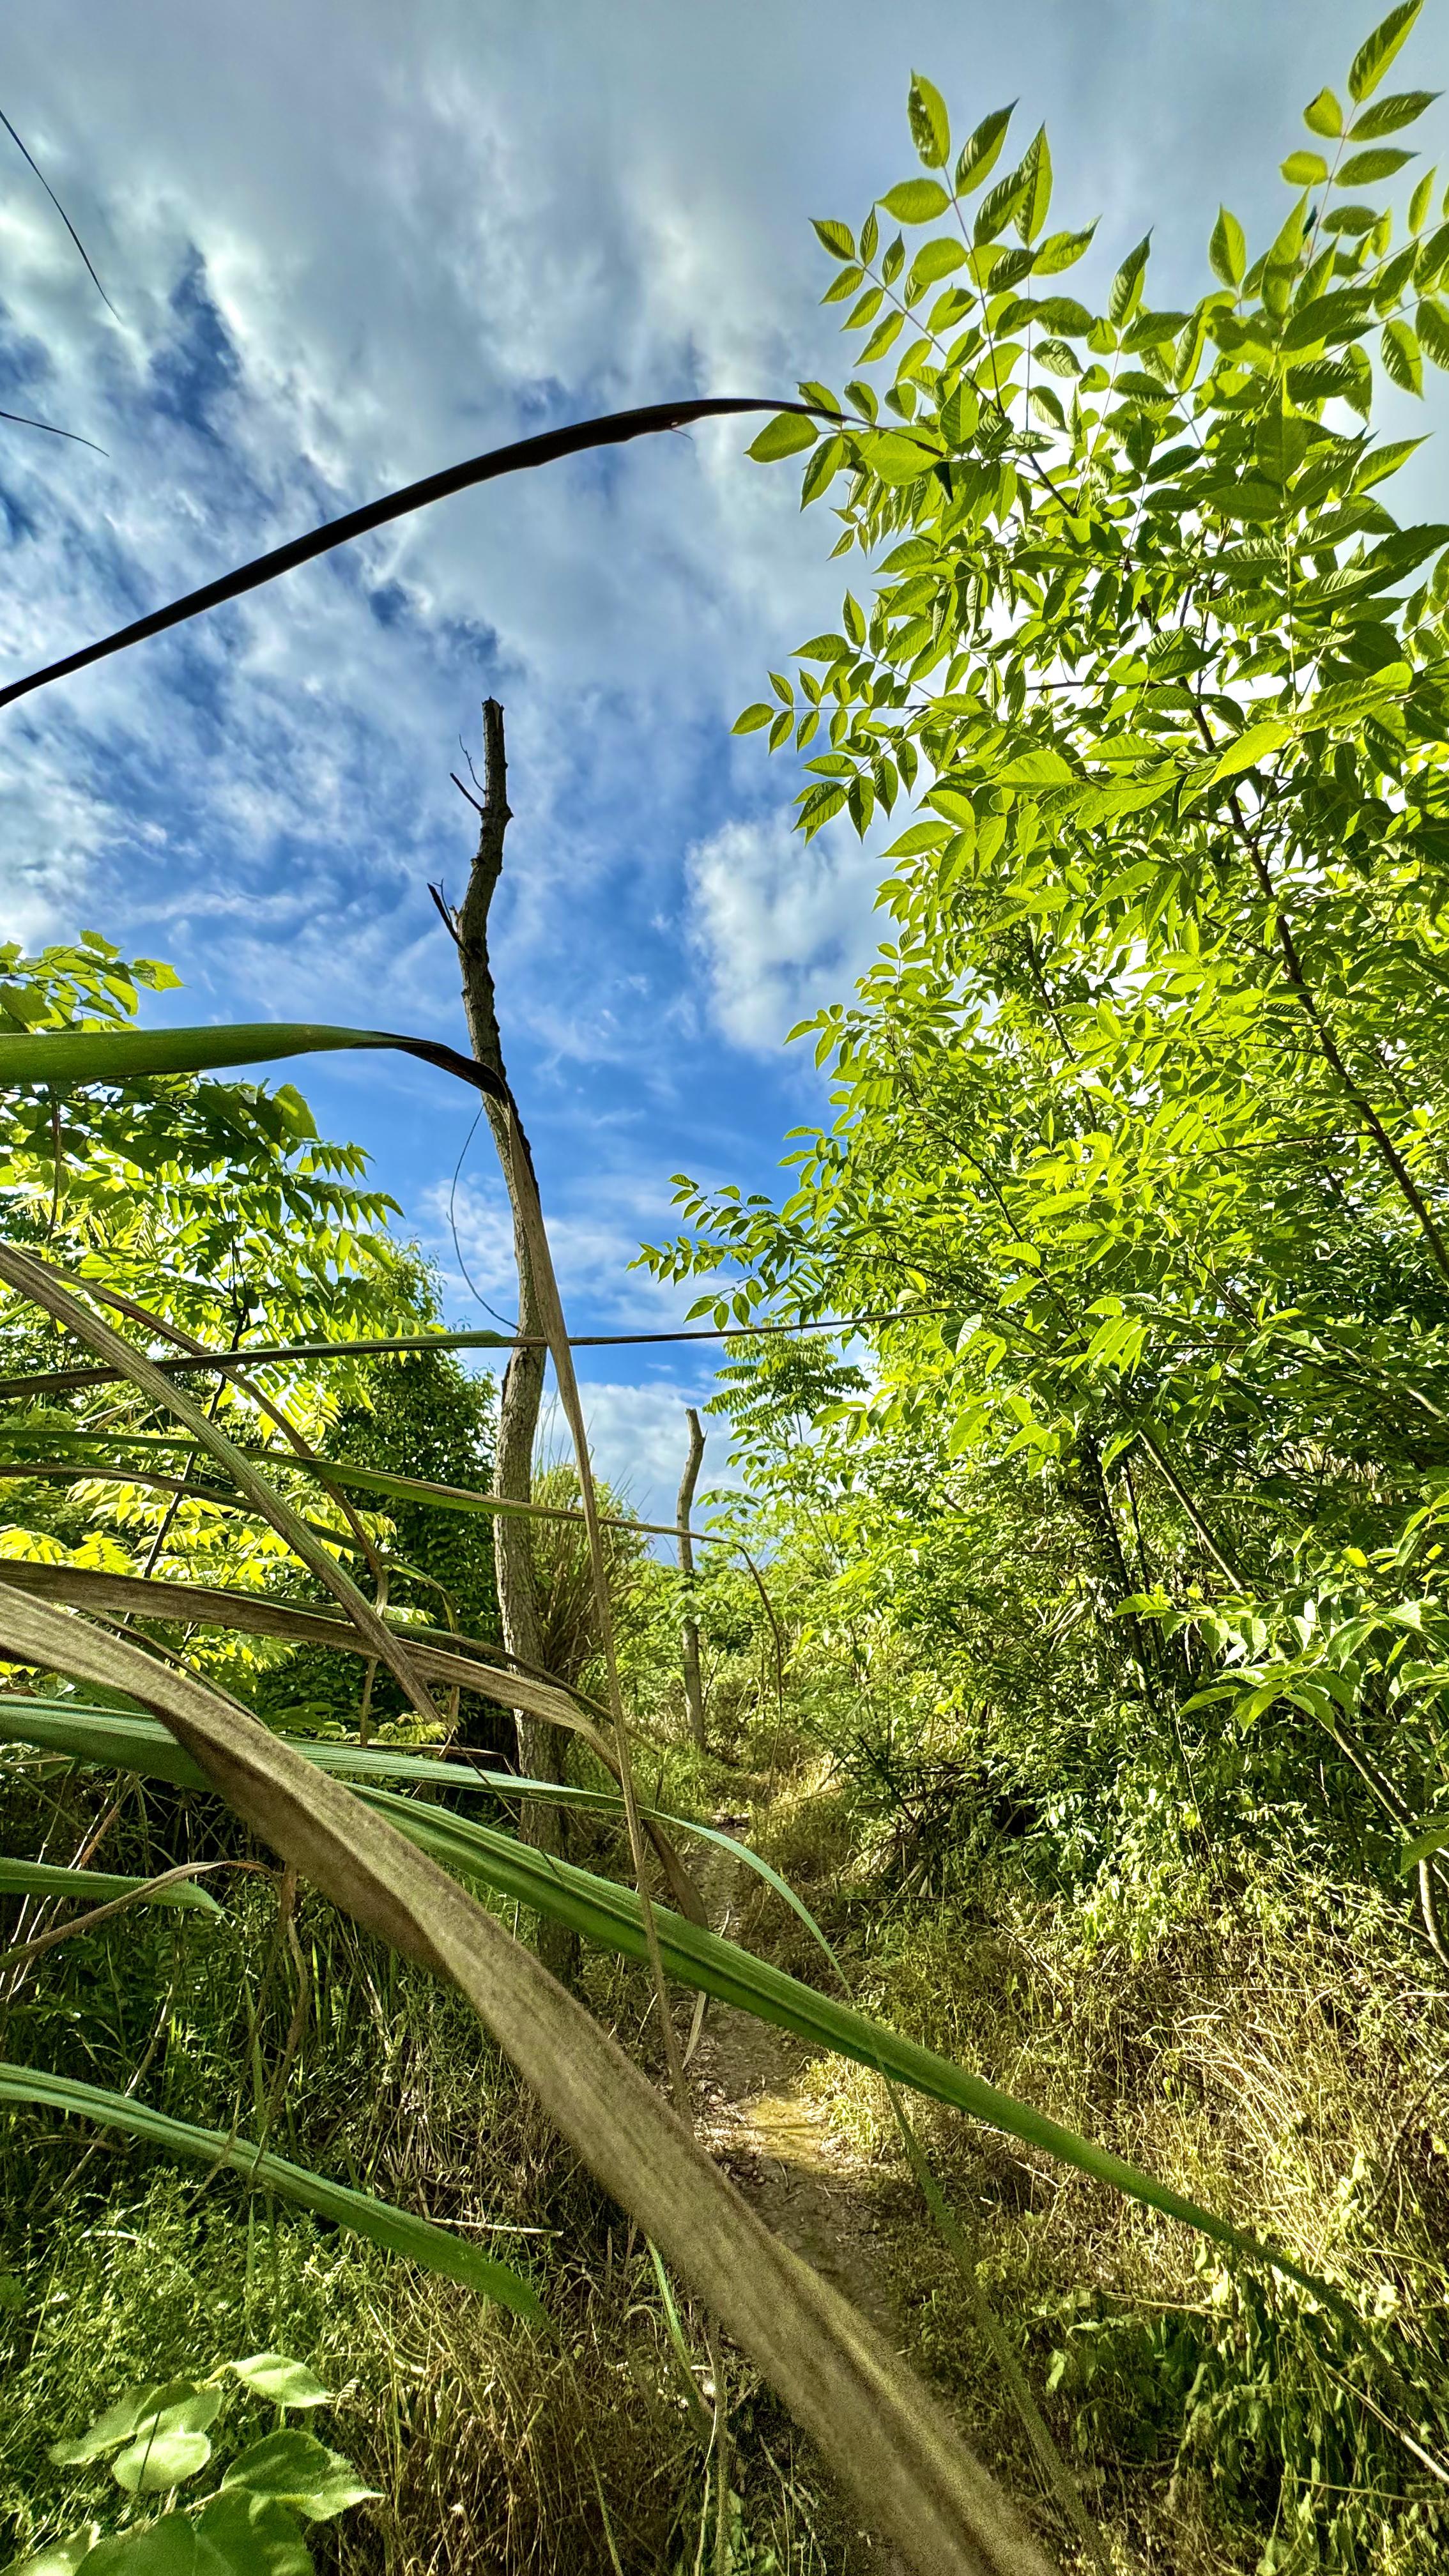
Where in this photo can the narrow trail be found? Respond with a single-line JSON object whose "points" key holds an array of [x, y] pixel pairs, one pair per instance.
{"points": [[773, 2140]]}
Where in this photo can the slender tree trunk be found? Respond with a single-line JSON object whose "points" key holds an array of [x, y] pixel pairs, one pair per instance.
{"points": [[693, 1690], [542, 1749]]}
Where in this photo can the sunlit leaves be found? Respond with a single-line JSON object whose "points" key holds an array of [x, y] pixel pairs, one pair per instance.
{"points": [[916, 201], [785, 435], [1323, 115], [837, 238], [1305, 169], [1400, 352], [1227, 250], [1389, 115], [929, 123], [1362, 169], [1374, 57], [1126, 289], [980, 152]]}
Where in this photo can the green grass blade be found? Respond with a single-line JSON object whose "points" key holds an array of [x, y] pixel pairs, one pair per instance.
{"points": [[38, 1878], [395, 2229], [137, 1055]]}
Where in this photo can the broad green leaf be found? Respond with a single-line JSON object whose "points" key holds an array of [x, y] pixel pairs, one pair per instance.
{"points": [[395, 2229], [1256, 742], [96, 1886], [897, 458], [915, 201], [1399, 350], [1362, 169], [1323, 115], [1375, 55], [120, 2422], [253, 2535], [1304, 169], [929, 123], [160, 2459], [284, 2382], [1389, 114], [1061, 250], [936, 259], [836, 238], [1227, 251], [753, 718], [169, 2547], [785, 435], [294, 2468], [980, 152]]}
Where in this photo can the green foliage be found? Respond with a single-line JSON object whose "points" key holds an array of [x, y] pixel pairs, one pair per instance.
{"points": [[156, 2439]]}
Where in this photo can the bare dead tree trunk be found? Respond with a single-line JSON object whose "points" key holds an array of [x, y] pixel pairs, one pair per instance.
{"points": [[542, 1751], [693, 1691]]}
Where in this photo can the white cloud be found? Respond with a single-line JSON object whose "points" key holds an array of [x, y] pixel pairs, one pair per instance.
{"points": [[638, 1440], [778, 927]]}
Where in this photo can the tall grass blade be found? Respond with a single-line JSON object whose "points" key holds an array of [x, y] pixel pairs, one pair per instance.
{"points": [[39, 1878], [396, 2229]]}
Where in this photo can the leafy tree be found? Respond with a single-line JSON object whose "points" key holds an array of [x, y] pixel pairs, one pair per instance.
{"points": [[1139, 1115]]}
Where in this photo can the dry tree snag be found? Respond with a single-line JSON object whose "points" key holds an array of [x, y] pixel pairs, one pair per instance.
{"points": [[541, 1747], [689, 1635]]}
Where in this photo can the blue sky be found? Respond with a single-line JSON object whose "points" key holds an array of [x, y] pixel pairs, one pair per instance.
{"points": [[350, 244]]}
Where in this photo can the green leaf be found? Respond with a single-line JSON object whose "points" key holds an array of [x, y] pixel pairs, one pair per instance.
{"points": [[1062, 250], [1361, 169], [753, 717], [160, 2460], [819, 474], [930, 125], [1432, 1836], [980, 152], [253, 2535], [1036, 170], [1399, 350], [883, 337], [996, 210], [134, 1055], [1323, 115], [120, 2423], [1390, 114], [1257, 742], [1126, 291], [96, 1886], [1381, 462], [1227, 251], [1375, 55], [169, 2547], [785, 435], [1304, 169], [294, 2468], [1432, 325], [284, 2382], [395, 2229], [936, 259], [838, 239], [915, 201]]}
